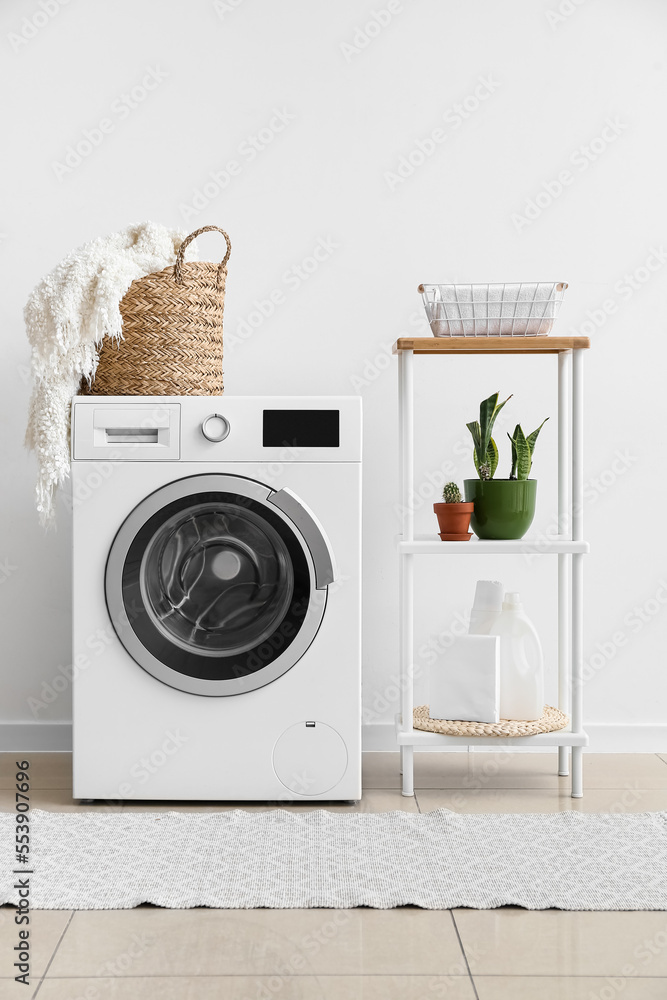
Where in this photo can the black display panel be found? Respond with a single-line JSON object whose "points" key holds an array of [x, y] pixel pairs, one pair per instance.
{"points": [[301, 429]]}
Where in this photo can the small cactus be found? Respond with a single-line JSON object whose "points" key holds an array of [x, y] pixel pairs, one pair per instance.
{"points": [[451, 493]]}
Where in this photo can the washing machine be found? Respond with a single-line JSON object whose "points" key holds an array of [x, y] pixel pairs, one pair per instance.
{"points": [[216, 598]]}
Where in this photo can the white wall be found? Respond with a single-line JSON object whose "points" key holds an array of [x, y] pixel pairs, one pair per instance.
{"points": [[547, 86]]}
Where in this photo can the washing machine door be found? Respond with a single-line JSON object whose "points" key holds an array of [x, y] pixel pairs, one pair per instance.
{"points": [[217, 584]]}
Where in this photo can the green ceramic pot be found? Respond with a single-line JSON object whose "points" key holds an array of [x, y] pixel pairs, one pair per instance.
{"points": [[504, 508]]}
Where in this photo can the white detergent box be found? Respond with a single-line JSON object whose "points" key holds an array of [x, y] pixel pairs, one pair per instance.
{"points": [[465, 681]]}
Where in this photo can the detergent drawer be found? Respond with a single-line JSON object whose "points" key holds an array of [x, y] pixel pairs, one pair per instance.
{"points": [[142, 432]]}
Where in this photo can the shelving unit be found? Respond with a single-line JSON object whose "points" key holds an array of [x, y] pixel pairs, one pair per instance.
{"points": [[569, 546]]}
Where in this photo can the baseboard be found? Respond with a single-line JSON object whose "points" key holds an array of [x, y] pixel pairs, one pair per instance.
{"points": [[604, 738], [33, 737]]}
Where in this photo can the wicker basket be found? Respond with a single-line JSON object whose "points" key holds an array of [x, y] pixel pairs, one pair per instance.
{"points": [[172, 332]]}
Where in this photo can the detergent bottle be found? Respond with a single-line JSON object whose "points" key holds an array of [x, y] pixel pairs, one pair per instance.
{"points": [[521, 662], [486, 607]]}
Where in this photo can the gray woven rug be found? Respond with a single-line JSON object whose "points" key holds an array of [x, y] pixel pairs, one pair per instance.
{"points": [[282, 858]]}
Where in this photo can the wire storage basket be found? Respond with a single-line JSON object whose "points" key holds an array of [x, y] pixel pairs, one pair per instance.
{"points": [[515, 309]]}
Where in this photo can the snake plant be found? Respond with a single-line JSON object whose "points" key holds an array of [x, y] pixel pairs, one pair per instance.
{"points": [[485, 453], [522, 451]]}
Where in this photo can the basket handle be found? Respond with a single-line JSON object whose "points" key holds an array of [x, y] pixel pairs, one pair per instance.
{"points": [[178, 267]]}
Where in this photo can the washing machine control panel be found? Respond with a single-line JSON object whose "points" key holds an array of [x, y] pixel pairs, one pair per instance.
{"points": [[263, 429], [215, 427]]}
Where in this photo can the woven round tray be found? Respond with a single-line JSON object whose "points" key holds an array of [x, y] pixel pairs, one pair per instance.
{"points": [[551, 721]]}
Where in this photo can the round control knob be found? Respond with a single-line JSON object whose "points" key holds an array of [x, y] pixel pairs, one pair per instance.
{"points": [[215, 427]]}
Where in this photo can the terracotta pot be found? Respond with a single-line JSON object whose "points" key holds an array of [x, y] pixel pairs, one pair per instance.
{"points": [[454, 520]]}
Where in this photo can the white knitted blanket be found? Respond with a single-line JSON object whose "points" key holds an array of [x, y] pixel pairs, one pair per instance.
{"points": [[67, 317]]}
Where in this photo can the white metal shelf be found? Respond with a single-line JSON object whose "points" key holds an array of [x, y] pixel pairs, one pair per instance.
{"points": [[570, 548], [426, 545]]}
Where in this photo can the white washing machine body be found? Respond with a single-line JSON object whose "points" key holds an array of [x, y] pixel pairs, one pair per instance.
{"points": [[217, 598]]}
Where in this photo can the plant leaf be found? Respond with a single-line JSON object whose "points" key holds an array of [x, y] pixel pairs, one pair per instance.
{"points": [[514, 458], [488, 411], [492, 457], [523, 457], [532, 438], [478, 454]]}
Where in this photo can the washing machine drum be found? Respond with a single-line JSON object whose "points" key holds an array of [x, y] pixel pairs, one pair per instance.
{"points": [[217, 584]]}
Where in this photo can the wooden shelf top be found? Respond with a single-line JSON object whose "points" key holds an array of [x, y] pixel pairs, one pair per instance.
{"points": [[490, 345]]}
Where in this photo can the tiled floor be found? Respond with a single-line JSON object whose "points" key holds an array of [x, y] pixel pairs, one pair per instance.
{"points": [[362, 954]]}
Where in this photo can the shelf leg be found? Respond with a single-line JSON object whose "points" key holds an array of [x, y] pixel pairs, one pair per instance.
{"points": [[400, 765], [577, 665], [564, 651], [406, 639], [565, 529], [408, 771], [406, 441], [577, 772], [406, 562], [577, 691]]}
